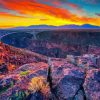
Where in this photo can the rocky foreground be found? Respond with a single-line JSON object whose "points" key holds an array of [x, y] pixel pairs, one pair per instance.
{"points": [[73, 78]]}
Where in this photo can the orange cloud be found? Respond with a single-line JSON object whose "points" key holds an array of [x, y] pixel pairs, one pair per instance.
{"points": [[27, 7], [8, 15]]}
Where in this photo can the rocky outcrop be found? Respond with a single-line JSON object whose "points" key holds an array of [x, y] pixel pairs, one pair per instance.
{"points": [[92, 84], [11, 55], [70, 84], [67, 87], [78, 84]]}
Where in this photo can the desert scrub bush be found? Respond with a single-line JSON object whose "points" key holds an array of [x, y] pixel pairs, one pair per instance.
{"points": [[39, 84]]}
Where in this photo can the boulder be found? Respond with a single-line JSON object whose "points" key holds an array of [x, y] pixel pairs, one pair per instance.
{"points": [[67, 87], [92, 84]]}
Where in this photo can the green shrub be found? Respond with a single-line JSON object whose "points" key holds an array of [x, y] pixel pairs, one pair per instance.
{"points": [[24, 73]]}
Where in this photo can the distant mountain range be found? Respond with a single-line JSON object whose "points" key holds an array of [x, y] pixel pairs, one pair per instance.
{"points": [[85, 26]]}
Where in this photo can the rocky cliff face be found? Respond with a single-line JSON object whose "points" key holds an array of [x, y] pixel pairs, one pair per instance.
{"points": [[76, 37], [55, 43]]}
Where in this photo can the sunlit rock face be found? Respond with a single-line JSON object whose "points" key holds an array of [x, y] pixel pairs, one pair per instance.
{"points": [[11, 58], [92, 84]]}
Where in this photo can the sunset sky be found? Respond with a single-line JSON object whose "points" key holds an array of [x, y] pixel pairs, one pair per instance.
{"points": [[15, 13]]}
